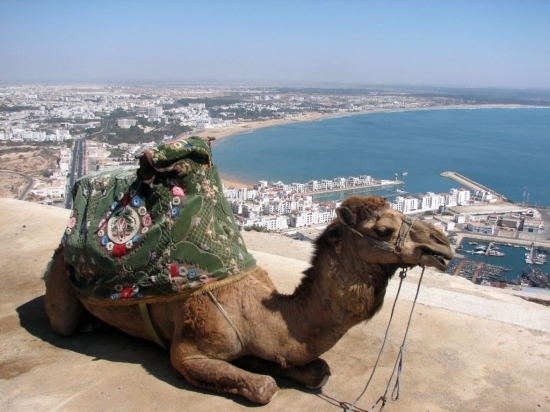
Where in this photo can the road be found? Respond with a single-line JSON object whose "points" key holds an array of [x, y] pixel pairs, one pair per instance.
{"points": [[28, 187], [78, 168]]}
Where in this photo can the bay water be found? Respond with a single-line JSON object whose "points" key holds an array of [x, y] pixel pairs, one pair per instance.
{"points": [[505, 149]]}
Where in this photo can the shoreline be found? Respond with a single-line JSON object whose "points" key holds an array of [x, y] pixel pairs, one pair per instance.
{"points": [[243, 127]]}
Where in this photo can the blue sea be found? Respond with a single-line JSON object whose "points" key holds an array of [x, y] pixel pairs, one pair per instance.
{"points": [[507, 150]]}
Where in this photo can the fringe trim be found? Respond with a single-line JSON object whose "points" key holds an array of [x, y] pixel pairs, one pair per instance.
{"points": [[169, 298]]}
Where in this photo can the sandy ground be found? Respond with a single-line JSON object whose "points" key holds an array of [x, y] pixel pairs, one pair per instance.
{"points": [[469, 348]]}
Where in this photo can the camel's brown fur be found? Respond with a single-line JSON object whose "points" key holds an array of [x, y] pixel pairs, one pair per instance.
{"points": [[283, 334]]}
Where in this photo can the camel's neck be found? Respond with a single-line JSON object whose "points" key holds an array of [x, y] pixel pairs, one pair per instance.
{"points": [[336, 294]]}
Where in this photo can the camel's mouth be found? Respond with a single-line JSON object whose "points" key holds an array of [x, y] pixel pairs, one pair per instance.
{"points": [[434, 259]]}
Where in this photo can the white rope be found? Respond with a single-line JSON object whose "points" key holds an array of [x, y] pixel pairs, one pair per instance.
{"points": [[227, 317], [399, 360]]}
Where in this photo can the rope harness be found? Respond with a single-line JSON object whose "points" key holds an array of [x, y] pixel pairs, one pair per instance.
{"points": [[398, 366], [399, 360], [406, 226]]}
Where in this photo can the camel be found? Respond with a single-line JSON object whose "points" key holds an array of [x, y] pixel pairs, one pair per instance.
{"points": [[256, 331]]}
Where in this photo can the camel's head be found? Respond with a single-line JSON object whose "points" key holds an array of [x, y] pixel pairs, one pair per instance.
{"points": [[386, 236]]}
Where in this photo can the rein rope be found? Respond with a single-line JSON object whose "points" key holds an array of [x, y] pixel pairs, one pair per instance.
{"points": [[406, 226], [398, 366]]}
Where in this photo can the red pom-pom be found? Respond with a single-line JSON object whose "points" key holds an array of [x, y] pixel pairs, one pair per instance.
{"points": [[126, 293], [174, 270], [119, 250], [125, 200]]}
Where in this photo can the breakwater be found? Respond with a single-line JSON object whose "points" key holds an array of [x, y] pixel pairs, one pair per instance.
{"points": [[471, 184]]}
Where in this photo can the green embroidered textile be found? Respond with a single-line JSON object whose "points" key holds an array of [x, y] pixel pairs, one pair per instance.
{"points": [[163, 229]]}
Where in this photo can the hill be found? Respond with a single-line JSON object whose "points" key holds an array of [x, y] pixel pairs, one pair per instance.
{"points": [[469, 347]]}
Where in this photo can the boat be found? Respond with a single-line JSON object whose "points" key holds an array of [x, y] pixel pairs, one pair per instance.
{"points": [[495, 253], [478, 252], [481, 248], [473, 243]]}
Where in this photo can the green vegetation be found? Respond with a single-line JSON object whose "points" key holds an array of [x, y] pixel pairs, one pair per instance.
{"points": [[55, 120], [4, 108], [46, 173], [28, 146], [120, 114], [116, 153], [17, 149], [136, 135], [255, 228], [48, 154]]}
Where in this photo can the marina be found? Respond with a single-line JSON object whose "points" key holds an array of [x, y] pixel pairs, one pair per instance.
{"points": [[501, 264]]}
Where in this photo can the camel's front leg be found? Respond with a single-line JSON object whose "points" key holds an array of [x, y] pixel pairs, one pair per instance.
{"points": [[313, 375], [220, 376], [62, 306]]}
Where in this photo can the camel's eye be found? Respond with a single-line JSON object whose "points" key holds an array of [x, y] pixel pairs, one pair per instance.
{"points": [[384, 232]]}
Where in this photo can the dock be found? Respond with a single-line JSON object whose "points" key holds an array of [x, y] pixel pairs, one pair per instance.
{"points": [[469, 183], [353, 189], [477, 272]]}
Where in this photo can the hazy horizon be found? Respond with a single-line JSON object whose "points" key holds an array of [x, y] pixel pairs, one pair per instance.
{"points": [[489, 44]]}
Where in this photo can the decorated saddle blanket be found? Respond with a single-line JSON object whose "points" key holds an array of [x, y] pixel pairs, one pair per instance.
{"points": [[163, 229]]}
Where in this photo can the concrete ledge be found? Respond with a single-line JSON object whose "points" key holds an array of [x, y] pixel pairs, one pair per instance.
{"points": [[469, 348]]}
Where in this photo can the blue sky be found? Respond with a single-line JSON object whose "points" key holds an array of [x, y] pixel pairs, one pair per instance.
{"points": [[478, 43]]}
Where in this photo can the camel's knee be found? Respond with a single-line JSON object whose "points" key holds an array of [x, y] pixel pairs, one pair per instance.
{"points": [[61, 303], [221, 376], [315, 374]]}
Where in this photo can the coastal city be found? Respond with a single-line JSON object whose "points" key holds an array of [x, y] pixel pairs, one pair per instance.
{"points": [[51, 135], [307, 205]]}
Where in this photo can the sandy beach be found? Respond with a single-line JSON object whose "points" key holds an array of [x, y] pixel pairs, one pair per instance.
{"points": [[221, 133]]}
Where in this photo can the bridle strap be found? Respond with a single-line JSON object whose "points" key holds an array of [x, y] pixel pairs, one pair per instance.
{"points": [[403, 232], [401, 239]]}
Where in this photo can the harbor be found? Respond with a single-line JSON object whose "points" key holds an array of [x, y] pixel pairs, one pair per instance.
{"points": [[501, 265]]}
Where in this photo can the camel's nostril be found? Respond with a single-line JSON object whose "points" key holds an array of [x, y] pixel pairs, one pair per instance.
{"points": [[439, 239]]}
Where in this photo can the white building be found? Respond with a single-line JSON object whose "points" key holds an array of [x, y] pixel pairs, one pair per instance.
{"points": [[483, 196], [57, 191], [482, 227], [126, 123], [154, 111], [300, 219], [405, 204]]}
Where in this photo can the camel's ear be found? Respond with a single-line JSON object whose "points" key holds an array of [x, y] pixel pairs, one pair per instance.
{"points": [[346, 216]]}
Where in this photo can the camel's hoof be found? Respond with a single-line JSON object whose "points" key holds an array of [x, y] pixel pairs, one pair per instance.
{"points": [[267, 391], [320, 384], [88, 324]]}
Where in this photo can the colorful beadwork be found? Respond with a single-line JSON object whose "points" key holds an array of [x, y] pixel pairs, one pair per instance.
{"points": [[163, 230]]}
